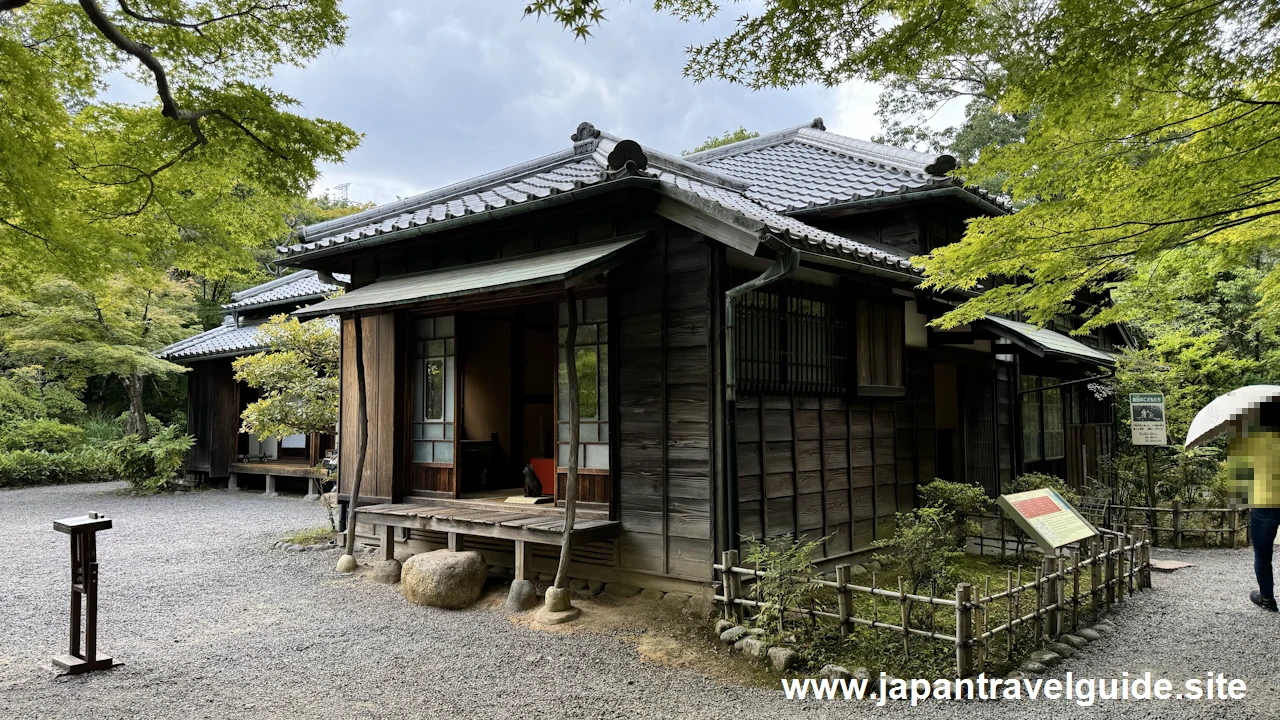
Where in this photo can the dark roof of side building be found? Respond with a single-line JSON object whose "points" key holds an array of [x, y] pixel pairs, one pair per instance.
{"points": [[237, 335]]}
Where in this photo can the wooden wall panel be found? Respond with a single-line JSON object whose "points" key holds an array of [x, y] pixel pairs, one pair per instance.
{"points": [[665, 419], [381, 387], [213, 414]]}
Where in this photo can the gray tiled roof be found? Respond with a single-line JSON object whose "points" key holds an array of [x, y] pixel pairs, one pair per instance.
{"points": [[226, 340], [807, 167], [753, 187], [295, 286]]}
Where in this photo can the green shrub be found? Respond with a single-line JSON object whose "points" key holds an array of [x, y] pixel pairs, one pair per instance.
{"points": [[963, 501], [150, 466], [44, 434], [99, 428], [924, 546], [1035, 481], [788, 580], [20, 468]]}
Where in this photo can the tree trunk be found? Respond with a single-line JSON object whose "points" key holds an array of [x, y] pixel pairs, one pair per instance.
{"points": [[571, 484], [137, 421], [362, 422]]}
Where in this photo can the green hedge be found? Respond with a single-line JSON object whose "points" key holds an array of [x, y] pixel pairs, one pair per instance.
{"points": [[19, 468], [45, 435]]}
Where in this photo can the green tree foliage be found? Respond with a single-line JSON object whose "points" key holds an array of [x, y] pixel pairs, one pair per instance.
{"points": [[1150, 126], [150, 464], [297, 377], [729, 137], [91, 188], [109, 330], [962, 501]]}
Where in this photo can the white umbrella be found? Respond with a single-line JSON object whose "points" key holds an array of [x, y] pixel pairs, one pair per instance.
{"points": [[1215, 418]]}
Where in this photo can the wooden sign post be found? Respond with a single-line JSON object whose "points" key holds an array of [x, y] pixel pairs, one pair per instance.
{"points": [[1047, 518], [84, 589]]}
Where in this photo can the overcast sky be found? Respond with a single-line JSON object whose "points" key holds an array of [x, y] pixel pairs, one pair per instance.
{"points": [[449, 89]]}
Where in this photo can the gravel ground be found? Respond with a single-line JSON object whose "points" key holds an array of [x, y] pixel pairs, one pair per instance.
{"points": [[211, 623]]}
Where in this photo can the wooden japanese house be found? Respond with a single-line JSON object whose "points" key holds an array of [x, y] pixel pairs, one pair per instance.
{"points": [[215, 399], [752, 348]]}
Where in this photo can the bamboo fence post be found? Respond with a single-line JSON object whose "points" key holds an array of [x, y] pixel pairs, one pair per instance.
{"points": [[964, 631], [985, 624], [1146, 563], [875, 609], [1095, 578], [1049, 619], [732, 587], [1075, 590], [1108, 571], [1060, 615], [1177, 524], [1009, 604], [1233, 508], [902, 602], [1038, 612], [844, 599]]}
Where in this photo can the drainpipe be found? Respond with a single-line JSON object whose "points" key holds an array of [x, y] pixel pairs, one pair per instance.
{"points": [[788, 261]]}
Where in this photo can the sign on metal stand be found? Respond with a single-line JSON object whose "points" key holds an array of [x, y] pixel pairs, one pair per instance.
{"points": [[1147, 425], [84, 591]]}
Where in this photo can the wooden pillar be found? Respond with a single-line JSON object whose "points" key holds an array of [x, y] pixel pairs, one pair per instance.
{"points": [[233, 482], [313, 488], [1049, 566], [271, 487], [388, 542], [455, 542], [523, 558]]}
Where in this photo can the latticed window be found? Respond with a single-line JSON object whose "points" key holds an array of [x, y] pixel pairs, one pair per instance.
{"points": [[591, 348], [790, 344], [433, 370]]}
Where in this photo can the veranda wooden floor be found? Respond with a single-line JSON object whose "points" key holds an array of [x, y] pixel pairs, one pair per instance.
{"points": [[510, 524]]}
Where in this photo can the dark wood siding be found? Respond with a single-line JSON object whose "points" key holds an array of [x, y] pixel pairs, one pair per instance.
{"points": [[665, 417], [213, 417], [815, 466]]}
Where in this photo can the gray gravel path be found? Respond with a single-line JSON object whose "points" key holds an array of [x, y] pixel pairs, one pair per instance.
{"points": [[211, 623]]}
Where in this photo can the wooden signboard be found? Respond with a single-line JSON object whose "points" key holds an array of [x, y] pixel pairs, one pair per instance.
{"points": [[1146, 419], [1047, 518]]}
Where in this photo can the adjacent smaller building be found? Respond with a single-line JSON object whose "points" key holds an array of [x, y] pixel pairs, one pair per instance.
{"points": [[215, 399]]}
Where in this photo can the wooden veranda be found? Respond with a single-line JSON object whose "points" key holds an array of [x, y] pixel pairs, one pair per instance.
{"points": [[488, 519]]}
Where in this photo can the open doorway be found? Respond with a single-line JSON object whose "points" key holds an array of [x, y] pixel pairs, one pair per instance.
{"points": [[507, 394]]}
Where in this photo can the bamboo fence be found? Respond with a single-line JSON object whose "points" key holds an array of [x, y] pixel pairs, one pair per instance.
{"points": [[1034, 611]]}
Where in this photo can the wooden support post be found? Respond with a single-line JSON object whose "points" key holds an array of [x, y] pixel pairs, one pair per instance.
{"points": [[1177, 524], [313, 489], [523, 558], [455, 542], [84, 588], [1060, 597], [388, 542], [1233, 508], [964, 631], [844, 599], [233, 482], [271, 487]]}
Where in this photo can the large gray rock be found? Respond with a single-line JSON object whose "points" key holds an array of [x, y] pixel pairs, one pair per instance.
{"points": [[782, 659], [651, 594], [621, 590], [523, 596], [1033, 667], [1047, 658], [733, 635], [722, 625], [834, 672], [386, 572], [1074, 641], [1088, 634], [1062, 649], [444, 579], [752, 647]]}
